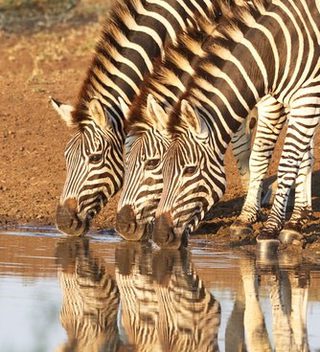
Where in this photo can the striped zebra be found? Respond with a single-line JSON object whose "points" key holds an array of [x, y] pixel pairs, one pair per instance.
{"points": [[148, 141], [164, 304], [145, 144], [90, 299], [134, 34], [270, 51]]}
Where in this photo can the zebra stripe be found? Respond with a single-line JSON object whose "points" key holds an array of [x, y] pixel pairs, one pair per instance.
{"points": [[195, 156], [131, 38]]}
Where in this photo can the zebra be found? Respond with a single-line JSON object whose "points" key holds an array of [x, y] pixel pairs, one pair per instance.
{"points": [[273, 50], [145, 146], [90, 299], [147, 140], [134, 34], [164, 303]]}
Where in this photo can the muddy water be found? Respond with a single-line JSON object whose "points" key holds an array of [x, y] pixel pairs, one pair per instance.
{"points": [[102, 294]]}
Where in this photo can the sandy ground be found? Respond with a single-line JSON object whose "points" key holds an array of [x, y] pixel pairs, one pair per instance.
{"points": [[52, 62]]}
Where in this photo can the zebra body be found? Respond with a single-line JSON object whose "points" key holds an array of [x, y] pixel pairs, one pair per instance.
{"points": [[133, 36], [273, 51]]}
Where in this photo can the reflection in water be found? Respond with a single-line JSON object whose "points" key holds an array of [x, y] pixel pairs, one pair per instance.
{"points": [[164, 305], [90, 299], [288, 294], [157, 302]]}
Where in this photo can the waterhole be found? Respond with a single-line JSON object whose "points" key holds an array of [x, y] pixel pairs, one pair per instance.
{"points": [[100, 293]]}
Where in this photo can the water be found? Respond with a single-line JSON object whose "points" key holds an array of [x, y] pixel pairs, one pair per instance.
{"points": [[103, 294]]}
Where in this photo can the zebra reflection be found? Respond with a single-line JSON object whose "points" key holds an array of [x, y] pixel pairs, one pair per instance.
{"points": [[90, 299], [288, 294], [164, 304]]}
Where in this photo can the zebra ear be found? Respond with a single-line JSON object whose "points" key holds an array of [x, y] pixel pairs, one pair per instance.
{"points": [[64, 111], [156, 113], [98, 114], [192, 119]]}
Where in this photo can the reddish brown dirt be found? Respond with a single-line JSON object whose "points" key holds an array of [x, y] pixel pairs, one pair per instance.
{"points": [[32, 138]]}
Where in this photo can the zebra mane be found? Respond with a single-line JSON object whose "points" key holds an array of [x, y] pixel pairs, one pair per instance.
{"points": [[165, 77], [122, 11], [222, 36]]}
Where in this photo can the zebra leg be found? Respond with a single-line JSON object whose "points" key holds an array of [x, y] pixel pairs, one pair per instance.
{"points": [[271, 120], [257, 338], [303, 200], [241, 148], [304, 119], [299, 308], [280, 303]]}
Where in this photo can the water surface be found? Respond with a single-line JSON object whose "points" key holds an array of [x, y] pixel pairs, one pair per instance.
{"points": [[100, 293]]}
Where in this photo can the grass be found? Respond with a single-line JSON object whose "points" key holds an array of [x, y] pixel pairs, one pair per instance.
{"points": [[33, 15]]}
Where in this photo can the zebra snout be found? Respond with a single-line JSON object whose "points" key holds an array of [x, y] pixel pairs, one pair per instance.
{"points": [[67, 220], [127, 225], [163, 234]]}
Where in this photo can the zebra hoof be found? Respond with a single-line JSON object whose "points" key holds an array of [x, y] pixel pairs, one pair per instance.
{"points": [[267, 243], [240, 231], [290, 235]]}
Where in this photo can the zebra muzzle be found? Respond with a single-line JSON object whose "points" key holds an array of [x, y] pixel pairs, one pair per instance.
{"points": [[68, 222], [163, 233], [127, 225]]}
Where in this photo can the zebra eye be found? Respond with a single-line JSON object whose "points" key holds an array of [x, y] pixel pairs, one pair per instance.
{"points": [[189, 170], [95, 158], [152, 164]]}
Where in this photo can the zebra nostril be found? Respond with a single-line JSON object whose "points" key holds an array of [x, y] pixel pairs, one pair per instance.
{"points": [[71, 205], [132, 226], [126, 221], [68, 222], [162, 232]]}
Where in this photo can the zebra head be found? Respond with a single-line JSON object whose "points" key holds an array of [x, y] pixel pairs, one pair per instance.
{"points": [[145, 147], [193, 178], [94, 166]]}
